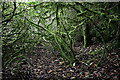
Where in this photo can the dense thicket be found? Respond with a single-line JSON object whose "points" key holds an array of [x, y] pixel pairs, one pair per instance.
{"points": [[25, 25]]}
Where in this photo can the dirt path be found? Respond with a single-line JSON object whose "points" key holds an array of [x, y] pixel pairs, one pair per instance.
{"points": [[45, 66]]}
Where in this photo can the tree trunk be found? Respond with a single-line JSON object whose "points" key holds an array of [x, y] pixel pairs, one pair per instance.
{"points": [[86, 35]]}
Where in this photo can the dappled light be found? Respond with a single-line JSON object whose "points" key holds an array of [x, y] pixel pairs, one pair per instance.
{"points": [[60, 40]]}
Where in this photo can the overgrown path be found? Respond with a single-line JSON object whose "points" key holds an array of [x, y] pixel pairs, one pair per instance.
{"points": [[44, 65]]}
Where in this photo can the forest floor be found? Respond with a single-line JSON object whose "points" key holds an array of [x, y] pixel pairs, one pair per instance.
{"points": [[46, 66]]}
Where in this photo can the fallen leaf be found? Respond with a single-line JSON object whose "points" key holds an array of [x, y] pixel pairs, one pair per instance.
{"points": [[59, 69], [55, 72], [67, 66], [63, 62], [49, 71], [68, 74], [72, 78], [60, 63], [71, 70], [86, 74], [94, 65], [37, 74], [73, 64], [56, 60]]}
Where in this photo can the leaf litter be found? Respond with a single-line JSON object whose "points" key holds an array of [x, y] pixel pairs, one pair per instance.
{"points": [[47, 66]]}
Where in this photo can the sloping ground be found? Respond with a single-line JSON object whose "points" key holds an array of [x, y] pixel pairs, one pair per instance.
{"points": [[45, 66]]}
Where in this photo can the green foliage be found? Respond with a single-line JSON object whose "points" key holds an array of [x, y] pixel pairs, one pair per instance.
{"points": [[95, 52], [59, 24], [17, 36]]}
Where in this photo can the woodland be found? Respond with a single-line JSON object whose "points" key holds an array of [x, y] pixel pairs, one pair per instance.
{"points": [[60, 40]]}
